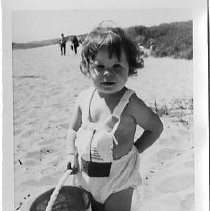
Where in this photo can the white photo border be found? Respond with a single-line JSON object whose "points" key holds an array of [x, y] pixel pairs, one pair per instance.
{"points": [[200, 70]]}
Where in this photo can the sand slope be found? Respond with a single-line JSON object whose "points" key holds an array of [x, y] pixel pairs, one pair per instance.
{"points": [[45, 87]]}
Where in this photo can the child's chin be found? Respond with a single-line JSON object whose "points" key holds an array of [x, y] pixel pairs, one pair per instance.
{"points": [[110, 90]]}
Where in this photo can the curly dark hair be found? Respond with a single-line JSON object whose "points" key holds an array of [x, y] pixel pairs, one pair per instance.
{"points": [[114, 40]]}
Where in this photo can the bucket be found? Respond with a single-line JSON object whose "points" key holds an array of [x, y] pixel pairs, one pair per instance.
{"points": [[63, 198]]}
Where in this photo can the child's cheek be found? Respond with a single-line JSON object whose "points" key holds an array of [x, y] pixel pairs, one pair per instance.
{"points": [[95, 76], [92, 74], [123, 76]]}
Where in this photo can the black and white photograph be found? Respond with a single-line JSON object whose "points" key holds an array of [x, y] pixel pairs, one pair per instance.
{"points": [[104, 109]]}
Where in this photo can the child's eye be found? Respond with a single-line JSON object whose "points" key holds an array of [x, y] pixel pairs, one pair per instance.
{"points": [[117, 66]]}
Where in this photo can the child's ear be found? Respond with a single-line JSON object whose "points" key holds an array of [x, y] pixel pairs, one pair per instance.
{"points": [[86, 200], [84, 69]]}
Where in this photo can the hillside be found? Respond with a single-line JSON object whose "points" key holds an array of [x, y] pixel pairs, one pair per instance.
{"points": [[173, 39]]}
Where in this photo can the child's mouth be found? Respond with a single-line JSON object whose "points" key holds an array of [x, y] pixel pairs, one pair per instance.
{"points": [[108, 83]]}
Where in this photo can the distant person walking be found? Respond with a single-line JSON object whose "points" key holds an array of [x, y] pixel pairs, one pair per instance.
{"points": [[63, 44], [75, 44]]}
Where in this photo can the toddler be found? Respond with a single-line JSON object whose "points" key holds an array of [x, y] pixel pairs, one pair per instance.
{"points": [[100, 140]]}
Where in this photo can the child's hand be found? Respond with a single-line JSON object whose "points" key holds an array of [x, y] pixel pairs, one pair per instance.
{"points": [[72, 162]]}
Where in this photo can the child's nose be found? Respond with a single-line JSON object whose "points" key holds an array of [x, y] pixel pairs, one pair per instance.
{"points": [[108, 73]]}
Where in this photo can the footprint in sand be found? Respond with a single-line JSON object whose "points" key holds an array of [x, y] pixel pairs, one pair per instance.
{"points": [[17, 132], [28, 133], [189, 164], [62, 126], [183, 132], [176, 183], [188, 201], [30, 162], [175, 141], [36, 155], [46, 180], [167, 154], [47, 142]]}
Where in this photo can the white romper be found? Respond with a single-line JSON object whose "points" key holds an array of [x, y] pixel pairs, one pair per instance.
{"points": [[99, 173]]}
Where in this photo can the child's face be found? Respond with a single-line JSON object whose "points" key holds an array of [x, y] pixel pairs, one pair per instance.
{"points": [[109, 75]]}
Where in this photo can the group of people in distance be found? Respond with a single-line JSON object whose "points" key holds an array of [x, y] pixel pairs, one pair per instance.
{"points": [[74, 44]]}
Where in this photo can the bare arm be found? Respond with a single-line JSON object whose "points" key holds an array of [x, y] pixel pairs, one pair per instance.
{"points": [[74, 126], [149, 121]]}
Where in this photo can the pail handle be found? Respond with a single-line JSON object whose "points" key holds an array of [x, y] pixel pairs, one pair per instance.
{"points": [[57, 189]]}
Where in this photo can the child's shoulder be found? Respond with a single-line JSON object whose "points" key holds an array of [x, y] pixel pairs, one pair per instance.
{"points": [[134, 98], [136, 104], [86, 92], [84, 95]]}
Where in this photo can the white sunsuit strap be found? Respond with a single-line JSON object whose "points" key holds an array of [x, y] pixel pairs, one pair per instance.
{"points": [[122, 104], [119, 109], [90, 93]]}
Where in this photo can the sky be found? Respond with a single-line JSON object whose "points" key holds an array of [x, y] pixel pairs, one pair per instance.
{"points": [[39, 25]]}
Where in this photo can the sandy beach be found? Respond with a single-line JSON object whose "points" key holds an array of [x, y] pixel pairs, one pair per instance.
{"points": [[46, 85]]}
